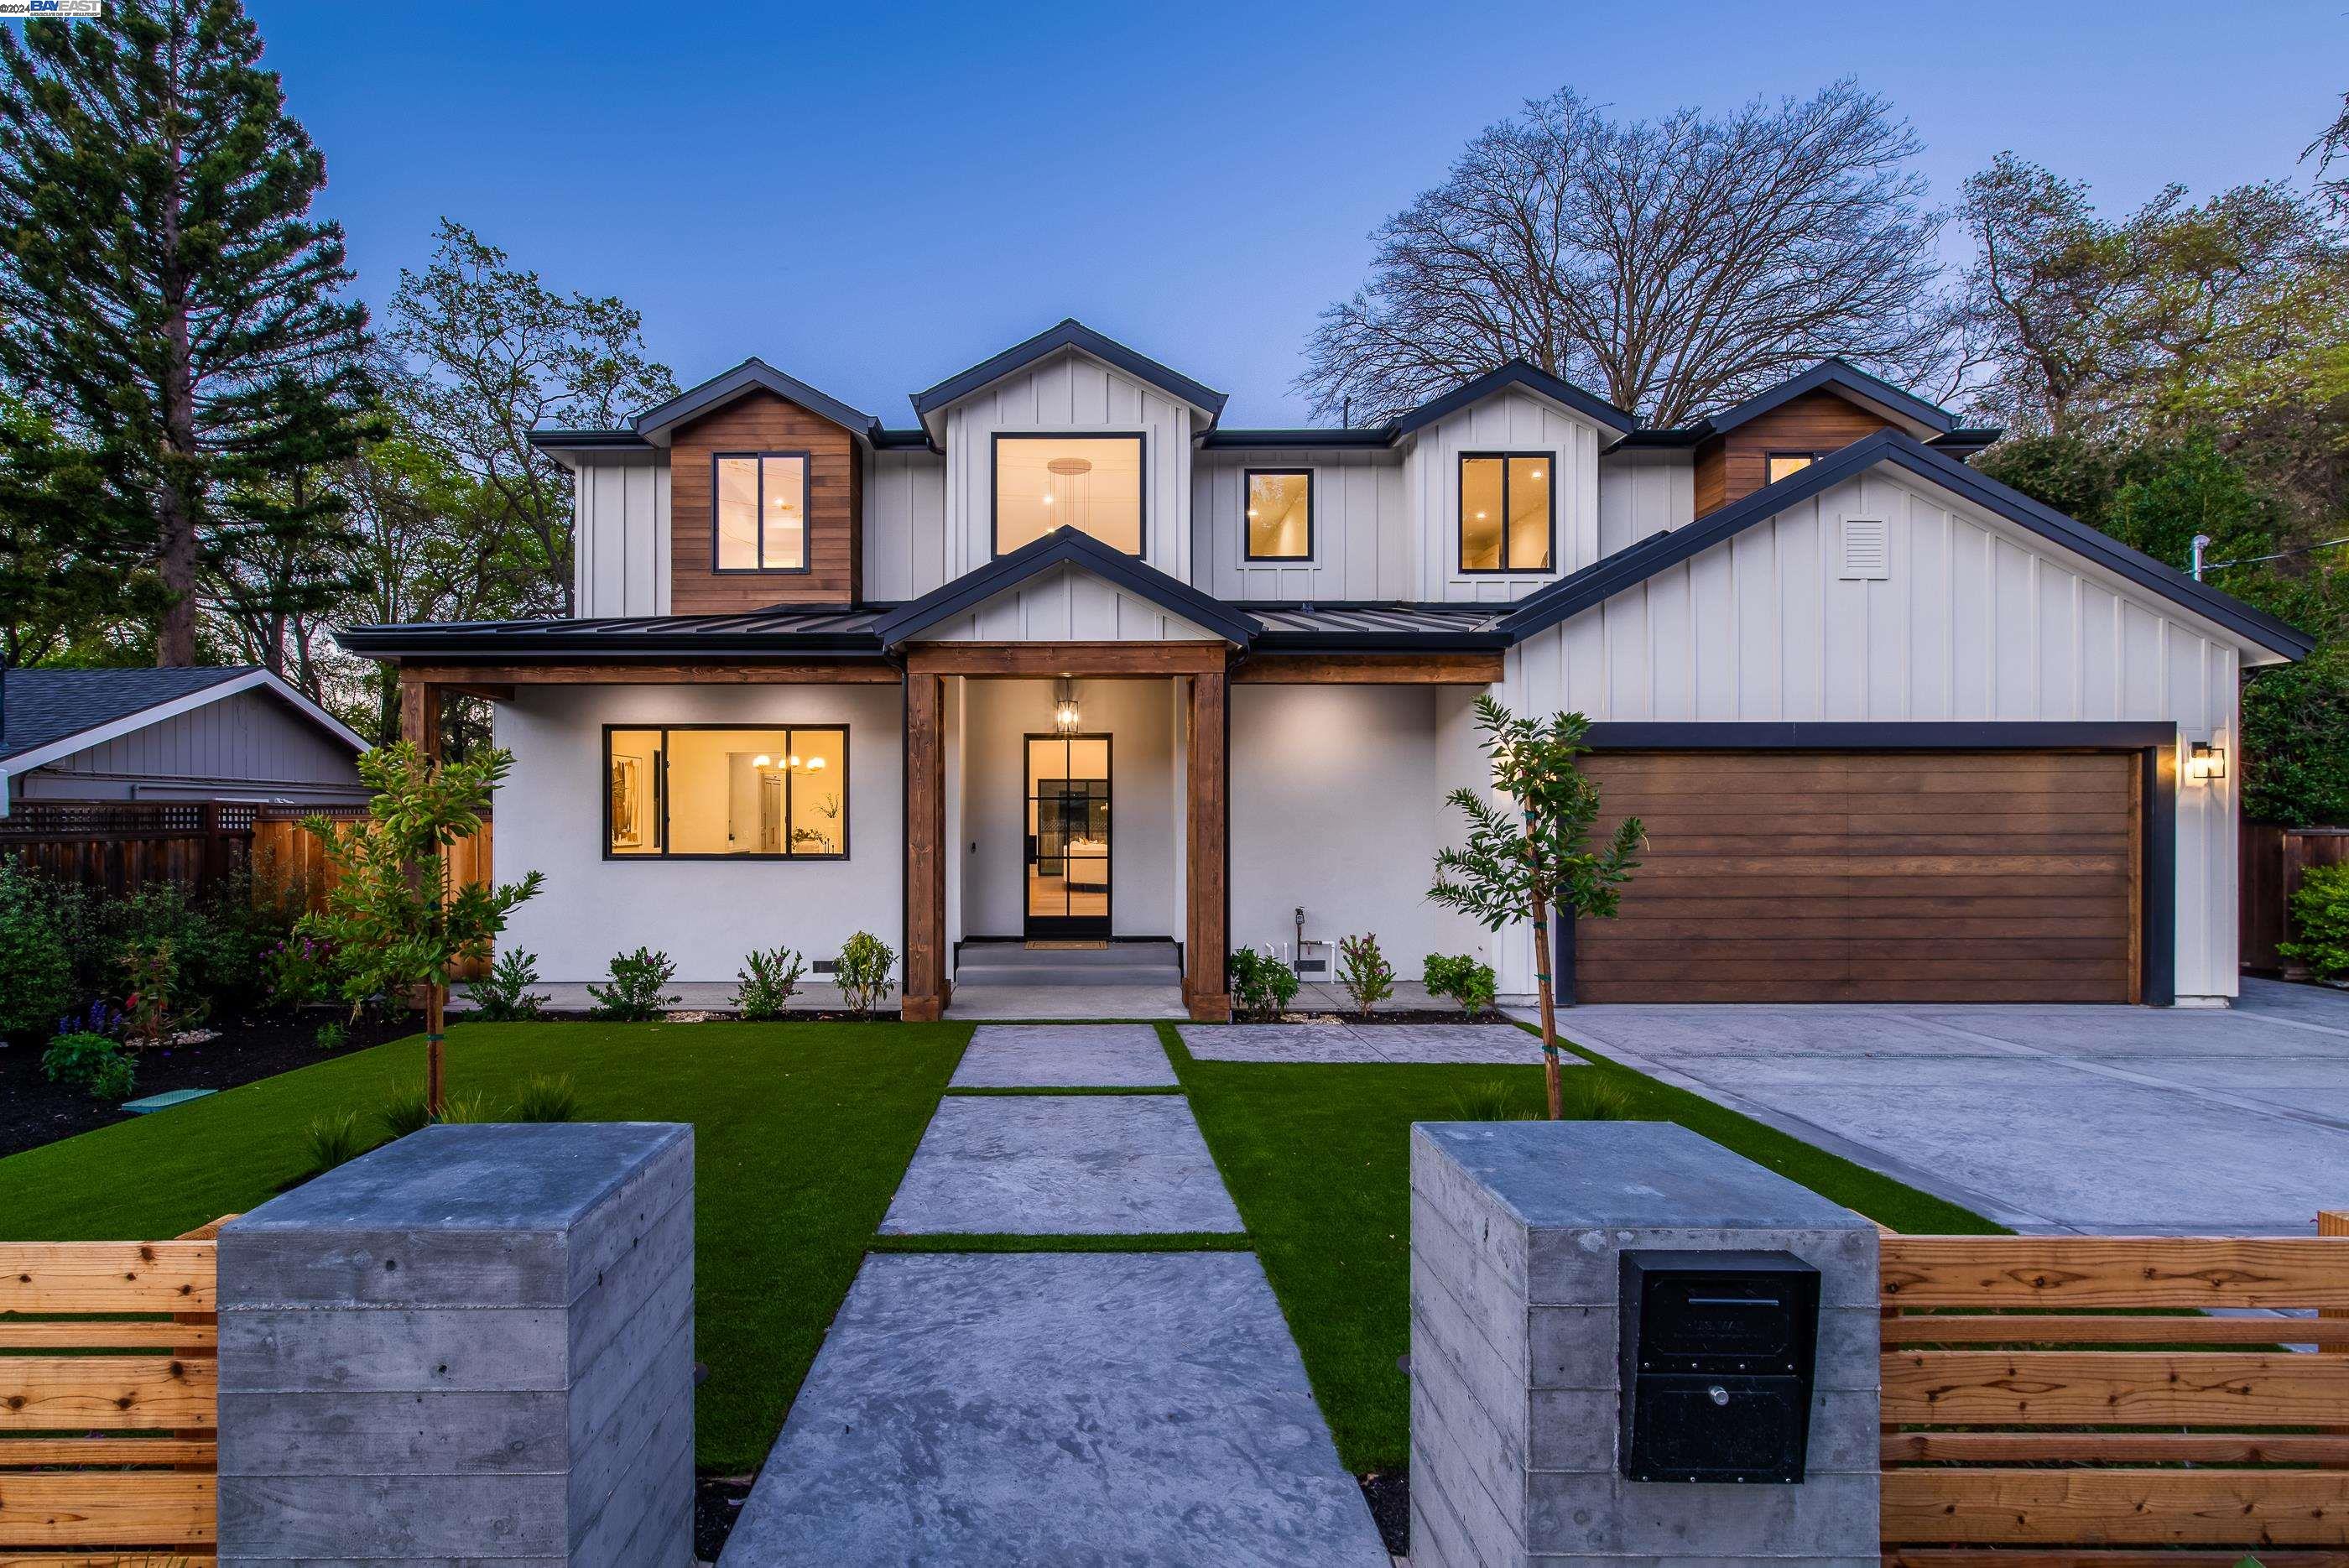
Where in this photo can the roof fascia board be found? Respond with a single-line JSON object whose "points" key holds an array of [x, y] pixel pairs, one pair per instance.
{"points": [[115, 729], [1519, 375], [1066, 546], [1069, 336]]}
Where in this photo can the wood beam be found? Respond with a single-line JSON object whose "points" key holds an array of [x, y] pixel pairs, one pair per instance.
{"points": [[804, 672], [419, 712], [1205, 937], [927, 987], [1371, 670], [487, 690], [1093, 661]]}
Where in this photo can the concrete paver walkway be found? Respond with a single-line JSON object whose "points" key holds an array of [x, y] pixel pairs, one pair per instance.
{"points": [[1057, 1407], [1500, 1044], [1064, 1056]]}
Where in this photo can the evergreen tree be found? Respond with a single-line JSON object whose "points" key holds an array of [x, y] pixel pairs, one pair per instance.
{"points": [[166, 293]]}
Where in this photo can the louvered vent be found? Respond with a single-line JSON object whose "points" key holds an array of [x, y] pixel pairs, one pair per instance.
{"points": [[1867, 549]]}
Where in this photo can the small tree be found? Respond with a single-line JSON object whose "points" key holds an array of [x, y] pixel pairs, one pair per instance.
{"points": [[395, 922], [1528, 853]]}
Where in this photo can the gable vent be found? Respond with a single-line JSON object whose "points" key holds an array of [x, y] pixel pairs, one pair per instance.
{"points": [[1867, 548]]}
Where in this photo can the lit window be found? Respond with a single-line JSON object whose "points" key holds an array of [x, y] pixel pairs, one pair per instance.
{"points": [[707, 790], [1784, 464], [1506, 511], [758, 505], [1091, 484], [1279, 513]]}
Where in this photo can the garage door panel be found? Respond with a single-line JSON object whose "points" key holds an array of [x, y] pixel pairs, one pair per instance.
{"points": [[1786, 877]]}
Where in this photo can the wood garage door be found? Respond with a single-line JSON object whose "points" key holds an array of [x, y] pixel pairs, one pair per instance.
{"points": [[1871, 877]]}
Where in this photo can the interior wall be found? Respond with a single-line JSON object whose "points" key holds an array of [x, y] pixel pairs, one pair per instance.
{"points": [[1146, 797]]}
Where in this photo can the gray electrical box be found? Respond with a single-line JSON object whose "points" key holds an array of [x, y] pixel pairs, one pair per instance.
{"points": [[1718, 1364]]}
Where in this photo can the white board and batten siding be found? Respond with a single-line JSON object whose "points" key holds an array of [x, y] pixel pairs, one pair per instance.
{"points": [[905, 524], [1067, 605], [1513, 421], [620, 532], [1971, 618], [1640, 494], [1362, 528]]}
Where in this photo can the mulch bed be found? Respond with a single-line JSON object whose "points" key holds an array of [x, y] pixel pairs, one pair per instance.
{"points": [[248, 1048], [717, 1504], [1389, 1494]]}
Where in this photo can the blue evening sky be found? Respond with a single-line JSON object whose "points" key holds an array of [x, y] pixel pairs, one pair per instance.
{"points": [[873, 197]]}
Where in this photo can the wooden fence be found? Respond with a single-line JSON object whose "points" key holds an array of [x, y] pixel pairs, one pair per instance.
{"points": [[2056, 1400], [2272, 862], [109, 1424], [288, 861]]}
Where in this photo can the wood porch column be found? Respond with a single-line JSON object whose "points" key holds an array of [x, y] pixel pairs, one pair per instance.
{"points": [[1205, 937], [419, 714], [927, 989]]}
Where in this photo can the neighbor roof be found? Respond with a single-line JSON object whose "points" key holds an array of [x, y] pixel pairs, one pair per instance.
{"points": [[48, 713]]}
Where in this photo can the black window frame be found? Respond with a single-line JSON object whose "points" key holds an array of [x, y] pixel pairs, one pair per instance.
{"points": [[1247, 543], [1770, 457], [1142, 481], [661, 852], [758, 515], [1460, 517]]}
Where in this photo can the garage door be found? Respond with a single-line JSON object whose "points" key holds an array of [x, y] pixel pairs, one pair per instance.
{"points": [[1874, 877]]}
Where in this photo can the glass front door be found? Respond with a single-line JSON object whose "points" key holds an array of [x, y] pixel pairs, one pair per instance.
{"points": [[1067, 873]]}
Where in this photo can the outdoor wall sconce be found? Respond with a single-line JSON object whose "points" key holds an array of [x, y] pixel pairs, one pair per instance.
{"points": [[1068, 717], [2206, 760]]}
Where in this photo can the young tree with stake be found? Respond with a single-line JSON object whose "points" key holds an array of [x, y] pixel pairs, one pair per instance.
{"points": [[1528, 851]]}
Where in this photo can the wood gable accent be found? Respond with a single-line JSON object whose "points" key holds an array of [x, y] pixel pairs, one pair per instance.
{"points": [[759, 420], [1733, 466]]}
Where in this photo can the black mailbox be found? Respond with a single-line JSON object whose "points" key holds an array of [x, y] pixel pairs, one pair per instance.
{"points": [[1718, 1354]]}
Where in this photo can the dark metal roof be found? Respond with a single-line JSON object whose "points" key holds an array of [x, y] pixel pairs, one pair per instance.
{"points": [[1837, 375], [1350, 435], [590, 441], [1363, 628], [1066, 546], [829, 630], [1070, 333], [41, 706], [754, 374], [1517, 373]]}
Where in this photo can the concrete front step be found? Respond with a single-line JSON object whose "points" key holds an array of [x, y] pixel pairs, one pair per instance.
{"points": [[1012, 956]]}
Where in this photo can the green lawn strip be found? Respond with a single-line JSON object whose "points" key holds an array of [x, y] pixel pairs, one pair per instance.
{"points": [[801, 1134], [975, 1241], [1318, 1158]]}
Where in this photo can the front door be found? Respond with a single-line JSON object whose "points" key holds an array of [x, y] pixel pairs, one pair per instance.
{"points": [[1067, 871]]}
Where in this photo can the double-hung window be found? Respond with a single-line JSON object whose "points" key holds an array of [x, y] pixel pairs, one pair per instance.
{"points": [[710, 790], [1507, 516], [759, 510]]}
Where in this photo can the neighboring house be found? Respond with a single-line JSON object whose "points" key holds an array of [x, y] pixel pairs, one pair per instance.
{"points": [[1896, 730], [233, 733]]}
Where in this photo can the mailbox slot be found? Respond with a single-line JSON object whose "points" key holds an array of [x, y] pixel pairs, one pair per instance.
{"points": [[1719, 1352]]}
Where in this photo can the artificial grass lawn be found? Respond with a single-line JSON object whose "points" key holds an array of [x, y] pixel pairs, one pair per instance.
{"points": [[801, 1134], [1318, 1158]]}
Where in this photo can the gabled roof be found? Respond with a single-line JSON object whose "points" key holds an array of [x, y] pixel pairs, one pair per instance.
{"points": [[1516, 373], [1069, 335], [751, 375], [45, 714], [1833, 374], [1064, 546], [1609, 575]]}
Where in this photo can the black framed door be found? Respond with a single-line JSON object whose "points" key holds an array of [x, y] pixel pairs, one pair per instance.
{"points": [[1065, 872]]}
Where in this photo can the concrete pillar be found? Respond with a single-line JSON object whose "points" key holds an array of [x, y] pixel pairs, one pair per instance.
{"points": [[1518, 1236], [473, 1346]]}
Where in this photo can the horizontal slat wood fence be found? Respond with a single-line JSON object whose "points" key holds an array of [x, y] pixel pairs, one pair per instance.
{"points": [[2272, 861], [110, 1430], [118, 847], [2064, 1401]]}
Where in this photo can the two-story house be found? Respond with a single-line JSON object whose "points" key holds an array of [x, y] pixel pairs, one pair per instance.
{"points": [[1067, 658]]}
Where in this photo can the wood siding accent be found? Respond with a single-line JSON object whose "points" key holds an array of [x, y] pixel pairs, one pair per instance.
{"points": [[1029, 660], [1849, 877], [761, 421], [1733, 466], [1372, 670]]}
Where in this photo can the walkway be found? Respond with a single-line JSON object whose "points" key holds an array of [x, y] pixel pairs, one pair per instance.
{"points": [[1117, 980], [1059, 1407]]}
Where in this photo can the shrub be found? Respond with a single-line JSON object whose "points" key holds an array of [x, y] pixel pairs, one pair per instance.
{"points": [[332, 1036], [639, 988], [768, 982], [37, 967], [406, 1111], [154, 1007], [862, 971], [2320, 914], [473, 1107], [547, 1097], [1471, 984], [505, 994], [1586, 1097], [1261, 985], [102, 1068], [301, 972], [332, 1140], [1364, 971]]}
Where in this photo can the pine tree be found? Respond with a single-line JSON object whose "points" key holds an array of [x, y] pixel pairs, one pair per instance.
{"points": [[165, 292]]}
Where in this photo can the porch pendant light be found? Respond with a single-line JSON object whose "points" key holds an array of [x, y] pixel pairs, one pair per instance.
{"points": [[1068, 717]]}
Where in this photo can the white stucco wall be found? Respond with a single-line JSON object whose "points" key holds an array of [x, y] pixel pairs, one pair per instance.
{"points": [[1337, 804], [705, 914]]}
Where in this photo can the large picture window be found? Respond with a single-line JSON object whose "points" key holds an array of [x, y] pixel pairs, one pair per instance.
{"points": [[758, 505], [1089, 483], [1279, 513], [1506, 513], [709, 791]]}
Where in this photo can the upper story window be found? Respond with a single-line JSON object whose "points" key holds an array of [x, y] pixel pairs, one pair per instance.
{"points": [[1785, 464], [706, 790], [759, 510], [1279, 513], [1507, 513], [1089, 483]]}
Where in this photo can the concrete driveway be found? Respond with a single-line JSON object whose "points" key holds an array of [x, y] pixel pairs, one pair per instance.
{"points": [[2042, 1118]]}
